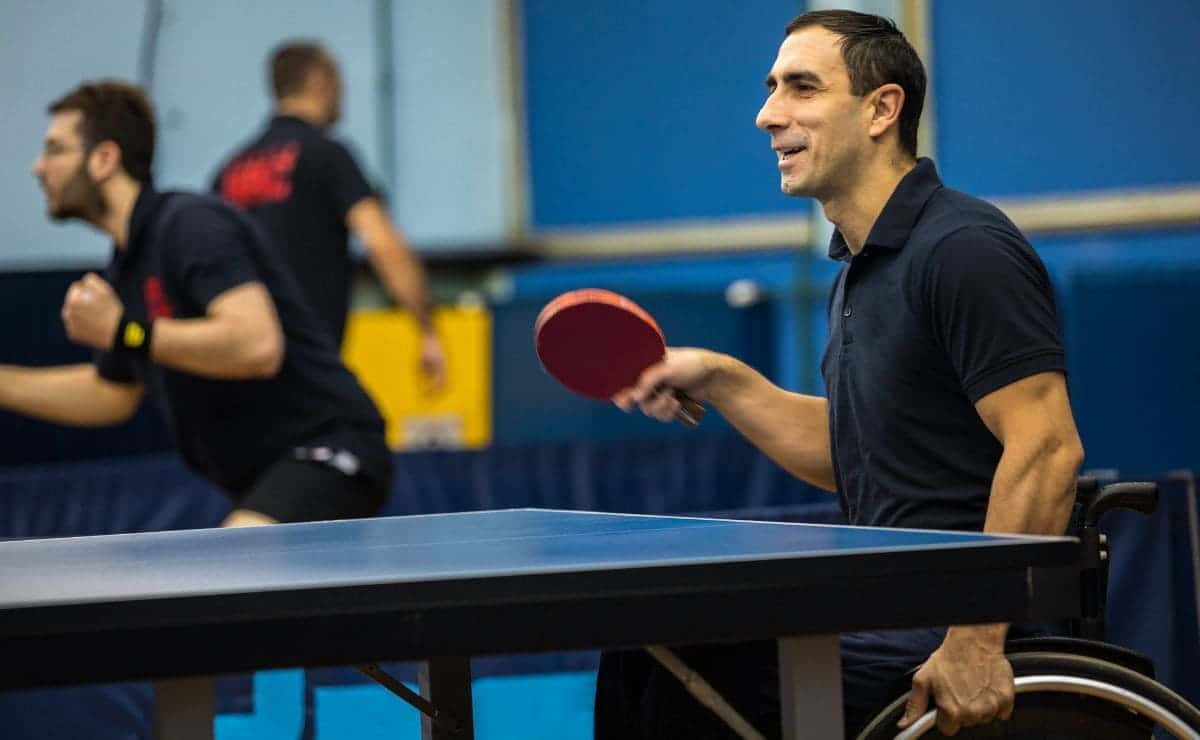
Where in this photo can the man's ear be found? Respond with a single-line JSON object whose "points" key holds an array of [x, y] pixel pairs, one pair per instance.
{"points": [[104, 160], [886, 103]]}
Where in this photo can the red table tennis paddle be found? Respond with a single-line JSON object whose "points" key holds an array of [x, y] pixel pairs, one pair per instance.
{"points": [[596, 342]]}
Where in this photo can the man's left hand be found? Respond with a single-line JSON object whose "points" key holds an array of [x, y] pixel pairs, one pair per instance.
{"points": [[91, 312], [969, 679]]}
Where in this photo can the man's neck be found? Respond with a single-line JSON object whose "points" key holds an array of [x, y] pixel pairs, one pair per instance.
{"points": [[855, 210], [305, 109], [120, 195]]}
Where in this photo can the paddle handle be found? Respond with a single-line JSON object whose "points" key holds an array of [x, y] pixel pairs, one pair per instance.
{"points": [[690, 410]]}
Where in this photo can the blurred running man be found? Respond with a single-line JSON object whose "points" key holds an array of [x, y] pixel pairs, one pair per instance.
{"points": [[196, 311], [309, 193]]}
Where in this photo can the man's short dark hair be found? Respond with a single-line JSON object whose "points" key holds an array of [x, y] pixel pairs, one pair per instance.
{"points": [[115, 111], [875, 53], [291, 63]]}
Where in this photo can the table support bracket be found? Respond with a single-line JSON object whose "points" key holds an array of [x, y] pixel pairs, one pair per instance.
{"points": [[442, 719]]}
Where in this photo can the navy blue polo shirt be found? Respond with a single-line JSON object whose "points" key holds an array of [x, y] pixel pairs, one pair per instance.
{"points": [[184, 250], [946, 303]]}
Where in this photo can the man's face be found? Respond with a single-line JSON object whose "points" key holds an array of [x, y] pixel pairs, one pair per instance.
{"points": [[61, 170], [818, 128]]}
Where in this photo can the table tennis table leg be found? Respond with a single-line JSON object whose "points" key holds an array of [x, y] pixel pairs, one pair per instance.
{"points": [[446, 683], [810, 687], [184, 708]]}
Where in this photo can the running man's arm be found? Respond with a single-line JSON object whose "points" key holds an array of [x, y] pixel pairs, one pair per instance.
{"points": [[238, 338], [73, 395], [402, 275], [398, 268]]}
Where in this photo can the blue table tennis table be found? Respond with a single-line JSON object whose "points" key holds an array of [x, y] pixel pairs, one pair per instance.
{"points": [[179, 607]]}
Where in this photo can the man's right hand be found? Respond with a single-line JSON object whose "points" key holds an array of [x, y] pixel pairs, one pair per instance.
{"points": [[686, 369], [91, 312]]}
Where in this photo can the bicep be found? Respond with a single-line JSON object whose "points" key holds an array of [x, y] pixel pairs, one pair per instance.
{"points": [[248, 303], [1032, 408]]}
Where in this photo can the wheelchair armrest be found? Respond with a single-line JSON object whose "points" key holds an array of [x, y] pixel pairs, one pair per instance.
{"points": [[1141, 497]]}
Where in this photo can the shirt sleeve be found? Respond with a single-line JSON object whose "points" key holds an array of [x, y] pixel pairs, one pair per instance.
{"points": [[208, 253], [992, 309], [346, 181]]}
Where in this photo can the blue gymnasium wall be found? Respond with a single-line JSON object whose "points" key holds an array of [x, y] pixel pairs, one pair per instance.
{"points": [[1049, 97], [644, 111]]}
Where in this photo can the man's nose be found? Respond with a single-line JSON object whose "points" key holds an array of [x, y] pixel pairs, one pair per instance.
{"points": [[768, 118]]}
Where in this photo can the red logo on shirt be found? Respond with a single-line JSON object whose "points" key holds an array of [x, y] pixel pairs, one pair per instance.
{"points": [[258, 178], [157, 306]]}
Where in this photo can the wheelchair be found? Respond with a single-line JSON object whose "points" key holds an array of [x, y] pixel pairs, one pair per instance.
{"points": [[1076, 686]]}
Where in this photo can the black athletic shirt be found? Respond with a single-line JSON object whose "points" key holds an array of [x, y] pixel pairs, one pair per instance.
{"points": [[184, 250], [300, 184]]}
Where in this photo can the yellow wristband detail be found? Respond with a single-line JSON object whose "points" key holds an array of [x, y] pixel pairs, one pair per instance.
{"points": [[134, 335]]}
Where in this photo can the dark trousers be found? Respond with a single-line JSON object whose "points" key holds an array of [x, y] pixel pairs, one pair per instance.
{"points": [[638, 698]]}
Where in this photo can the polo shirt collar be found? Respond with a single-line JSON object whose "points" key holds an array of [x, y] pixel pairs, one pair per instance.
{"points": [[143, 209], [283, 120], [899, 214]]}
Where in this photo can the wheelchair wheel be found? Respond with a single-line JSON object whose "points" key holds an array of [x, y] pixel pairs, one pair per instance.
{"points": [[1067, 697]]}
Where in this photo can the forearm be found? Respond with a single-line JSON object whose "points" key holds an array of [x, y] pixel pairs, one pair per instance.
{"points": [[1033, 488], [73, 395], [790, 428], [402, 275], [215, 348], [1032, 493]]}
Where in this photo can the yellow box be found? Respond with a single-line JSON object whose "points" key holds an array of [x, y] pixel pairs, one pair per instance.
{"points": [[382, 347]]}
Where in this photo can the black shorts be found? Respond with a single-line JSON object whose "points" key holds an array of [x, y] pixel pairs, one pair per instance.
{"points": [[294, 490]]}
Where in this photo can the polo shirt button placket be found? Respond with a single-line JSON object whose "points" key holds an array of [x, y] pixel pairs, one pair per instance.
{"points": [[847, 334]]}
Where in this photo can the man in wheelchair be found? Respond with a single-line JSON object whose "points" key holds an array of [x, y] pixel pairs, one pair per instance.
{"points": [[946, 406]]}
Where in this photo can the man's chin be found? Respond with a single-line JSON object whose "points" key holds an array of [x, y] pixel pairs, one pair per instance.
{"points": [[794, 188], [60, 215]]}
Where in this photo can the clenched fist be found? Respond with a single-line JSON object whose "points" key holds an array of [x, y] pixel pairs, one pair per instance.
{"points": [[91, 312]]}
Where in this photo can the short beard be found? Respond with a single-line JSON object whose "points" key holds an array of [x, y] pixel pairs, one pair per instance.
{"points": [[80, 198]]}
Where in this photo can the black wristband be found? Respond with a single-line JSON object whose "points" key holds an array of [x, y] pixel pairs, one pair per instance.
{"points": [[133, 336]]}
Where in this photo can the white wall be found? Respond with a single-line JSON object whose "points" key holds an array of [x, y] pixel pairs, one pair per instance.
{"points": [[211, 86], [45, 50], [451, 180], [454, 122]]}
